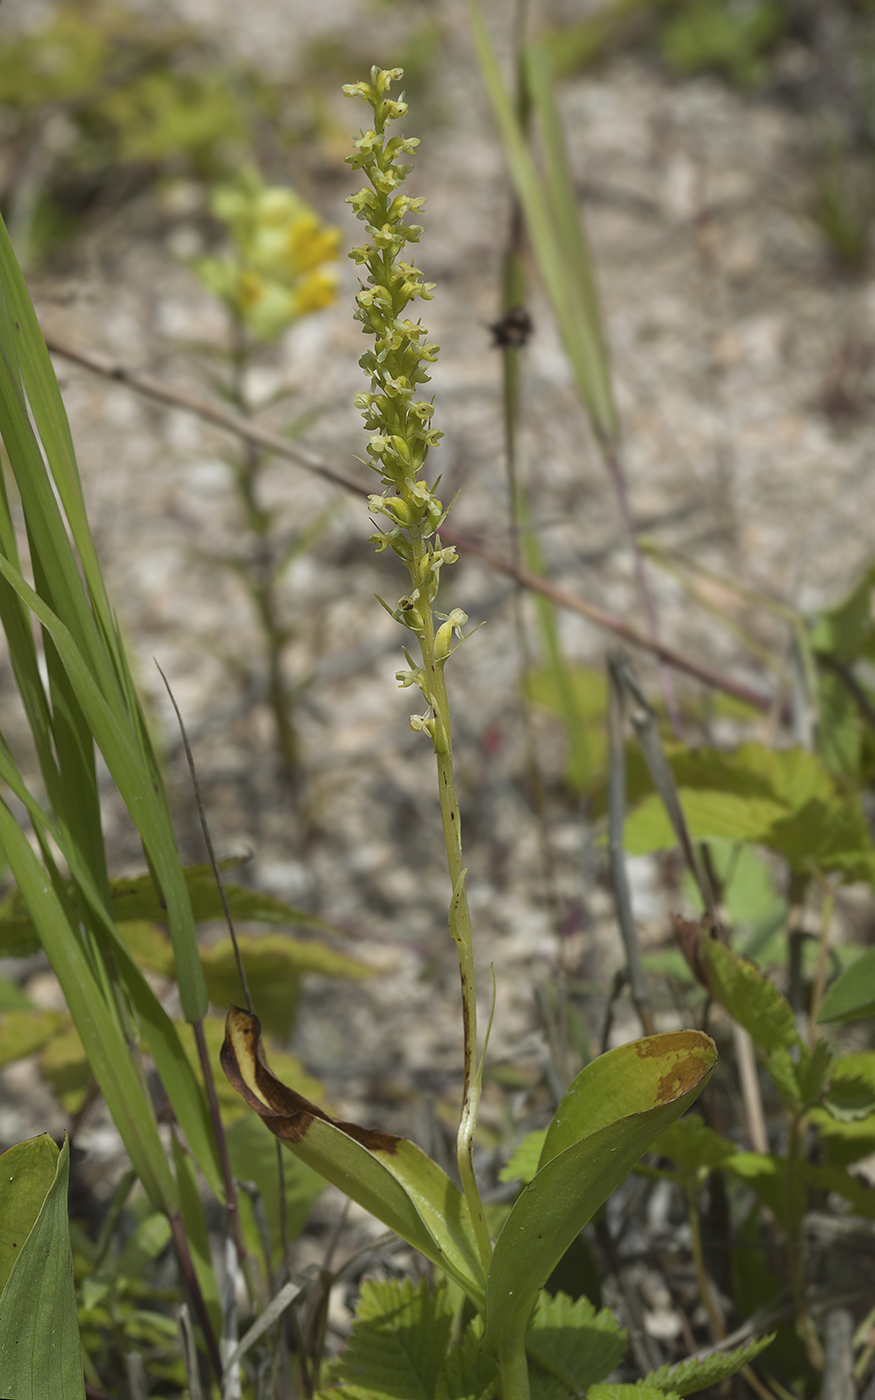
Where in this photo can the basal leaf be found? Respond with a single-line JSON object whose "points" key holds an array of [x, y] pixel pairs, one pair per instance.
{"points": [[590, 1148], [573, 1343], [748, 995], [39, 1334], [630, 1080], [387, 1175], [689, 1377], [27, 1171]]}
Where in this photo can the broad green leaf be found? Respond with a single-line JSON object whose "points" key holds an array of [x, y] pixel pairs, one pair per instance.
{"points": [[387, 1175], [525, 1159], [23, 1032], [608, 1118], [400, 1336], [631, 1080], [573, 1343], [26, 1174], [689, 1377], [274, 966], [150, 1238], [852, 994], [39, 1335], [843, 1142], [749, 997], [711, 815], [839, 726]]}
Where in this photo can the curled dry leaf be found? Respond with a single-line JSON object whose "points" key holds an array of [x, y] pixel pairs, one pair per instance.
{"points": [[288, 1114]]}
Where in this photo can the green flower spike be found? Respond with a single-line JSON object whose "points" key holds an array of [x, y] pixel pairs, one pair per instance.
{"points": [[401, 437]]}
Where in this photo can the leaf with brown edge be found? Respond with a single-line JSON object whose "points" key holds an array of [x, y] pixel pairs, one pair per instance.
{"points": [[389, 1176]]}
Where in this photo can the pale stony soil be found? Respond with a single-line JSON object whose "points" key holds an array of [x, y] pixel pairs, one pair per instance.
{"points": [[726, 325]]}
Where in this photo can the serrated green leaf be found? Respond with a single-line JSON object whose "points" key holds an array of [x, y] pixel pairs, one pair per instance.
{"points": [[468, 1373], [640, 1390], [767, 1178], [523, 1161], [693, 1146], [783, 1071], [749, 997], [854, 1188], [400, 1336], [843, 631], [839, 726], [842, 1143], [573, 1343], [689, 1377], [851, 1094], [39, 1334]]}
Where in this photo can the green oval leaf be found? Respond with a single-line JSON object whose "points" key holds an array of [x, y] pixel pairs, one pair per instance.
{"points": [[39, 1334], [651, 1082]]}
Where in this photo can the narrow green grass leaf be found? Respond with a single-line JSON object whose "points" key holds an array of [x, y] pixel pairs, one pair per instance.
{"points": [[124, 760], [107, 1052], [39, 1333], [580, 337]]}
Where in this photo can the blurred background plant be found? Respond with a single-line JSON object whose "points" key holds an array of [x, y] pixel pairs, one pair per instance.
{"points": [[278, 268]]}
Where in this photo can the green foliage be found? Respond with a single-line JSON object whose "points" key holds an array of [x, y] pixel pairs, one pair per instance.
{"points": [[784, 799], [573, 1344], [39, 1336], [749, 997], [689, 1377], [120, 94], [734, 40], [399, 1340]]}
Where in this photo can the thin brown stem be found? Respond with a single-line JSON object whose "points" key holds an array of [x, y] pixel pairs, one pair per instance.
{"points": [[311, 461]]}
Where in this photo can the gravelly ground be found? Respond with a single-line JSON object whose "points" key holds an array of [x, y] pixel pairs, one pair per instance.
{"points": [[728, 330]]}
